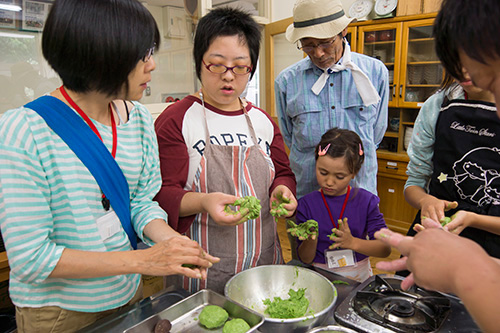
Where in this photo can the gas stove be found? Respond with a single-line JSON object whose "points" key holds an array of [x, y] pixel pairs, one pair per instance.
{"points": [[380, 305]]}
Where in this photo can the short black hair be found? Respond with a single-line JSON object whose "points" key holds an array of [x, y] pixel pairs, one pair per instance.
{"points": [[343, 143], [469, 25], [94, 44], [226, 21]]}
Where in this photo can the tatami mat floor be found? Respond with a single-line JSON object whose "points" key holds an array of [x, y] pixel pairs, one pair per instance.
{"points": [[287, 251]]}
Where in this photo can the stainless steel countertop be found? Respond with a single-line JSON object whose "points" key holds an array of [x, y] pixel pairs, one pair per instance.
{"points": [[132, 315]]}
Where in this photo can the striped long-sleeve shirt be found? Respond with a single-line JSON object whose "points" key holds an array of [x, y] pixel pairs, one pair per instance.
{"points": [[304, 117], [51, 202]]}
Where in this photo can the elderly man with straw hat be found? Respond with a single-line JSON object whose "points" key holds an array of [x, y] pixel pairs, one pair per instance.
{"points": [[331, 87]]}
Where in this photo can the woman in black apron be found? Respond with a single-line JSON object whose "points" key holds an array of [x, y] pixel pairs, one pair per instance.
{"points": [[465, 164]]}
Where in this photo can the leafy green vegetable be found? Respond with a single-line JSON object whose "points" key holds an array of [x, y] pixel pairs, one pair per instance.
{"points": [[248, 205], [340, 282], [445, 220], [303, 230], [333, 234], [190, 266], [213, 316], [293, 307], [278, 209], [236, 325]]}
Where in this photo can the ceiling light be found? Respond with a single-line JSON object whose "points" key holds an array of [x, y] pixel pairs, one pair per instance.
{"points": [[11, 35], [12, 8]]}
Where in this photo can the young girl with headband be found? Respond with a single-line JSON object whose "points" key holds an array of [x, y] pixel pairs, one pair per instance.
{"points": [[347, 217]]}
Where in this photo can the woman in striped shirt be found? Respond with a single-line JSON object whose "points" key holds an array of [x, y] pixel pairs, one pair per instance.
{"points": [[71, 259]]}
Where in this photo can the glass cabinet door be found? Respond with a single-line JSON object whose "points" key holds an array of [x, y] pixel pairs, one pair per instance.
{"points": [[423, 72], [383, 42]]}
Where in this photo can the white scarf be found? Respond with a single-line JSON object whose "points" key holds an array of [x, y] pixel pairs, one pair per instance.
{"points": [[365, 87]]}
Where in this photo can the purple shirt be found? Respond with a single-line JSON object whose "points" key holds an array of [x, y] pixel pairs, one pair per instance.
{"points": [[362, 212]]}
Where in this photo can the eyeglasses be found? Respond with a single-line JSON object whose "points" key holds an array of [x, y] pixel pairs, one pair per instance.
{"points": [[221, 69], [149, 53], [310, 48]]}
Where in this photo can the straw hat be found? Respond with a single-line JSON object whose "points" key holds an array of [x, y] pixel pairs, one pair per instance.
{"points": [[317, 19]]}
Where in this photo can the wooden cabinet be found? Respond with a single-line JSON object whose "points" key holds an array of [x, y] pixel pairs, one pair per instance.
{"points": [[352, 33], [391, 179], [4, 267], [415, 73]]}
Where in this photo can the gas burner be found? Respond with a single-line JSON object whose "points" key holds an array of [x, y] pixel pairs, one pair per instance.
{"points": [[417, 310], [380, 305]]}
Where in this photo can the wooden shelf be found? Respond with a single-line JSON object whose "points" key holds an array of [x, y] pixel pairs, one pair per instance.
{"points": [[391, 134], [423, 63], [422, 85], [389, 155], [381, 42], [419, 40]]}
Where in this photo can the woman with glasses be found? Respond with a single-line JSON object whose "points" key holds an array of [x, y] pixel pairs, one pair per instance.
{"points": [[216, 147], [79, 169]]}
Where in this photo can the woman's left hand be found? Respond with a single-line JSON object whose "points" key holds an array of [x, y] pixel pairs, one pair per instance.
{"points": [[284, 192], [343, 237]]}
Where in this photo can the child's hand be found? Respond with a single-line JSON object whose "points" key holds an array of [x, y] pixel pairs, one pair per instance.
{"points": [[434, 208], [304, 231], [282, 202], [342, 236], [459, 221]]}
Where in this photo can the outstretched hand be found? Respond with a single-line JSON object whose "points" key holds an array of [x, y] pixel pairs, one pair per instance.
{"points": [[433, 256]]}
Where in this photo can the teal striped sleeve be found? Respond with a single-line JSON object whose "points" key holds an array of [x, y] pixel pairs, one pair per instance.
{"points": [[421, 147], [25, 201], [143, 208]]}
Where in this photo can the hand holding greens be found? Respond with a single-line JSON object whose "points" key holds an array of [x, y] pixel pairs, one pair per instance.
{"points": [[303, 230], [278, 209], [249, 208], [445, 220]]}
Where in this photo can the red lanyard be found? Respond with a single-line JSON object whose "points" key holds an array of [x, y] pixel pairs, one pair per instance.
{"points": [[89, 122], [343, 206], [105, 201]]}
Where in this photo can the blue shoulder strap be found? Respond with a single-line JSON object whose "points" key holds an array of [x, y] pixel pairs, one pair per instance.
{"points": [[98, 160]]}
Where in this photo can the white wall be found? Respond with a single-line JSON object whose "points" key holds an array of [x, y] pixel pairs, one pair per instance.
{"points": [[281, 9]]}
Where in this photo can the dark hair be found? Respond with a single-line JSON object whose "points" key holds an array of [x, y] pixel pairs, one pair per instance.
{"points": [[471, 26], [448, 81], [94, 44], [343, 143], [226, 21]]}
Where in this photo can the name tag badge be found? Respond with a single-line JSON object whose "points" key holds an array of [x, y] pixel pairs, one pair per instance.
{"points": [[108, 225], [340, 258]]}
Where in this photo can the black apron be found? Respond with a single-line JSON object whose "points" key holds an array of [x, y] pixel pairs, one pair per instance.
{"points": [[467, 164]]}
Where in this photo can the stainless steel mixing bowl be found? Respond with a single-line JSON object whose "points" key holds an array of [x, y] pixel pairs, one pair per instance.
{"points": [[254, 285], [331, 329]]}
